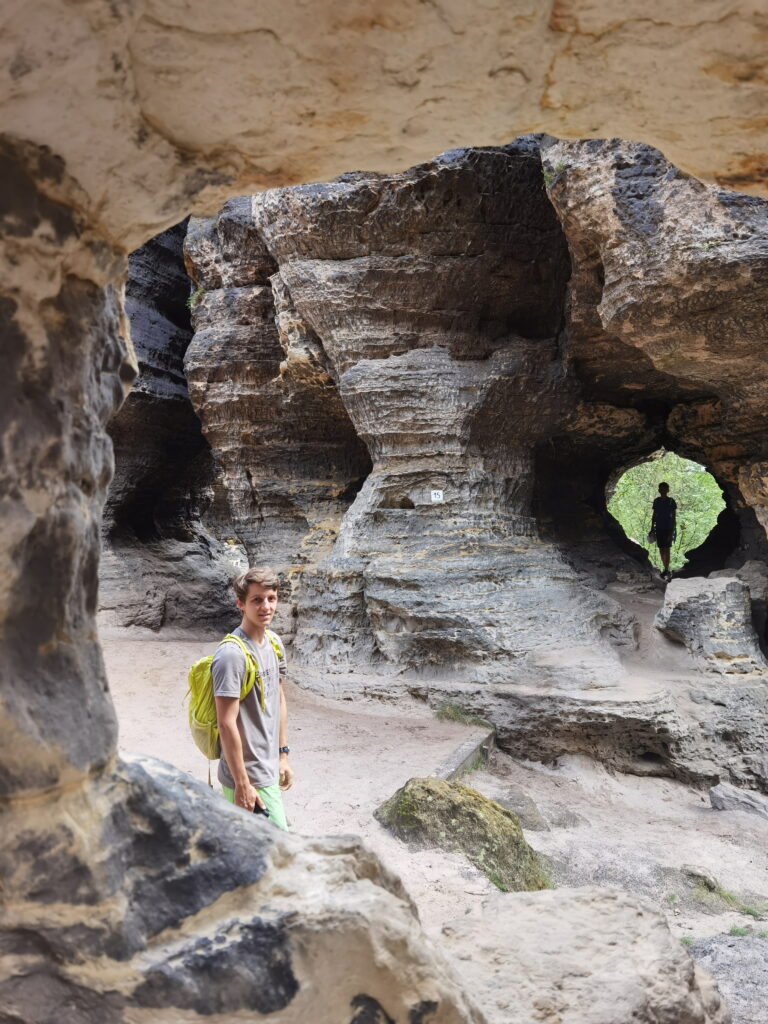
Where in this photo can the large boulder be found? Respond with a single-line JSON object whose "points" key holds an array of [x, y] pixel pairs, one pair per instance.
{"points": [[149, 896], [435, 812], [580, 956], [713, 619]]}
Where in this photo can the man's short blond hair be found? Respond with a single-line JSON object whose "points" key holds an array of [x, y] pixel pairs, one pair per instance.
{"points": [[264, 575]]}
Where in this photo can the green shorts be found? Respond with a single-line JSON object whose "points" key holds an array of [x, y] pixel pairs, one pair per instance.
{"points": [[273, 801]]}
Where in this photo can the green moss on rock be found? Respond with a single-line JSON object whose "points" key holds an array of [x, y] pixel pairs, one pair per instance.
{"points": [[432, 812]]}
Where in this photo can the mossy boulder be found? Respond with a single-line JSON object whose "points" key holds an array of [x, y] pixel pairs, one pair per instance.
{"points": [[432, 812]]}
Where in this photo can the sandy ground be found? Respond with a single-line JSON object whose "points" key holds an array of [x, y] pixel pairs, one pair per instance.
{"points": [[348, 757]]}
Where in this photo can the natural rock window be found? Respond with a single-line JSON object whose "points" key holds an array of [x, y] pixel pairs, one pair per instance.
{"points": [[698, 497]]}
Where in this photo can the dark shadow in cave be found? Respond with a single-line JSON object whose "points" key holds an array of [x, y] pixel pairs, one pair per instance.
{"points": [[163, 464]]}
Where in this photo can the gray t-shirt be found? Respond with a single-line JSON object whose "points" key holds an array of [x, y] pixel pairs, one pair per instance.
{"points": [[259, 730]]}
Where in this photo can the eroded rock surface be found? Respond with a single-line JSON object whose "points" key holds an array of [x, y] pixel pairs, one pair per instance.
{"points": [[289, 460], [160, 105], [180, 902], [160, 566], [713, 619], [582, 956], [497, 362], [130, 892], [114, 131]]}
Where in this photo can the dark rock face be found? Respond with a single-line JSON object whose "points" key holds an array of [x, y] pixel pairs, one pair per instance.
{"points": [[162, 564], [154, 851], [65, 362]]}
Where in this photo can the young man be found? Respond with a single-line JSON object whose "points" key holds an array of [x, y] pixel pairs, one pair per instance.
{"points": [[254, 762], [663, 523]]}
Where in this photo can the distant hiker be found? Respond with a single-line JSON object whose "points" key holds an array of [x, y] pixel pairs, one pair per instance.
{"points": [[254, 761], [663, 526]]}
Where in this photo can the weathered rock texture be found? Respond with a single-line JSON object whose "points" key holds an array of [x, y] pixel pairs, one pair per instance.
{"points": [[713, 618], [740, 967], [113, 127], [434, 812], [290, 461], [160, 566], [156, 105], [129, 892], [728, 798], [585, 956], [147, 895], [504, 328]]}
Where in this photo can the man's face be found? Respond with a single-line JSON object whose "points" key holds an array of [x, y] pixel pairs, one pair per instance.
{"points": [[259, 605]]}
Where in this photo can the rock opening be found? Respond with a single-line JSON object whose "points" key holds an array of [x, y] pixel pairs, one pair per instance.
{"points": [[630, 493]]}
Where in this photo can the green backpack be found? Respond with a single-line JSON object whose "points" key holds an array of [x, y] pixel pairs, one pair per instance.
{"points": [[203, 723]]}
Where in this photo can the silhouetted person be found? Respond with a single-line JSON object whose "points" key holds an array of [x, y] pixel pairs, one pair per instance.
{"points": [[663, 524]]}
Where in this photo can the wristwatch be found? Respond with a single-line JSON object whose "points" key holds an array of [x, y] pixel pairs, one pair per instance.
{"points": [[284, 750]]}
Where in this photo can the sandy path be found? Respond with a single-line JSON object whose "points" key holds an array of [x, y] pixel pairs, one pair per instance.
{"points": [[348, 757]]}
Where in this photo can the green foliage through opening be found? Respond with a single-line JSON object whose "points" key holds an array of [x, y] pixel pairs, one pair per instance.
{"points": [[699, 503]]}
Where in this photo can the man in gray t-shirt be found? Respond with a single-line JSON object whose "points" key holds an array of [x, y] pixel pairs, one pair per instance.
{"points": [[254, 764]]}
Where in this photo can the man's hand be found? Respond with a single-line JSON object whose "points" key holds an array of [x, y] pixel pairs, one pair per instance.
{"points": [[286, 773], [246, 796]]}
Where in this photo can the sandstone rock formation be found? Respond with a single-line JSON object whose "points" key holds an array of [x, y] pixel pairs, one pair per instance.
{"points": [[713, 618], [588, 956], [728, 798], [160, 566], [130, 892], [455, 817], [488, 323], [755, 576], [109, 138], [159, 105], [289, 459], [147, 896]]}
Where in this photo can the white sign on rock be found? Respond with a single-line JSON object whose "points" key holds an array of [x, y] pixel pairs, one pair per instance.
{"points": [[437, 497]]}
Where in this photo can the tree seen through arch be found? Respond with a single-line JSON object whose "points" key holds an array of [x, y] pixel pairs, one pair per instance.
{"points": [[696, 492]]}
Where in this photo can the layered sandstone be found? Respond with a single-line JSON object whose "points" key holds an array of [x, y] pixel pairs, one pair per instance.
{"points": [[116, 120], [486, 320]]}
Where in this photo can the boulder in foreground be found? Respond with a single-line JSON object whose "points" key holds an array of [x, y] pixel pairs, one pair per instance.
{"points": [[433, 812], [580, 956]]}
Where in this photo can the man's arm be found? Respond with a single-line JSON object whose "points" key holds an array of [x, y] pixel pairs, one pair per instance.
{"points": [[286, 772], [227, 710]]}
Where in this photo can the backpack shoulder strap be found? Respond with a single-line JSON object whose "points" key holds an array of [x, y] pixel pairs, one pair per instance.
{"points": [[251, 668], [273, 639]]}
